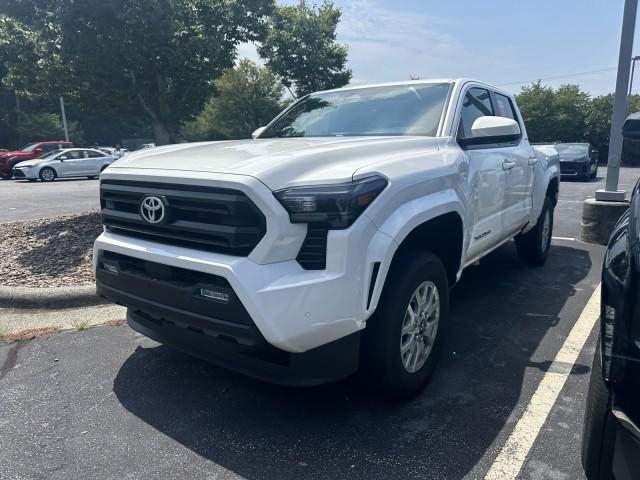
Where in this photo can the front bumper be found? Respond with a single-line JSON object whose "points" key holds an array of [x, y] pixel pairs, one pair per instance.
{"points": [[24, 173], [573, 169], [166, 304], [240, 348]]}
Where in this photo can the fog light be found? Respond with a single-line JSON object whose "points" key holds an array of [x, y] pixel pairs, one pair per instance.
{"points": [[215, 295], [110, 267]]}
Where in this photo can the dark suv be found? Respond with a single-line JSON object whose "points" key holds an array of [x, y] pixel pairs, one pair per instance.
{"points": [[577, 160], [611, 441], [33, 150]]}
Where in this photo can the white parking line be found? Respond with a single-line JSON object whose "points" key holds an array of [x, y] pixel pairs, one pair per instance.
{"points": [[510, 460], [569, 239]]}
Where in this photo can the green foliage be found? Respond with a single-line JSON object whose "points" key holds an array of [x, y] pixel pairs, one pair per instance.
{"points": [[248, 96], [554, 115], [48, 126], [300, 47], [568, 114], [130, 56]]}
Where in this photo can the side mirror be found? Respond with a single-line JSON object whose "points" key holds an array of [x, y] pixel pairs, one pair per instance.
{"points": [[631, 127], [256, 133], [38, 150], [489, 130]]}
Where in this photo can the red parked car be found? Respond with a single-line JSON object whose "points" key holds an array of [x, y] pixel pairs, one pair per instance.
{"points": [[33, 150]]}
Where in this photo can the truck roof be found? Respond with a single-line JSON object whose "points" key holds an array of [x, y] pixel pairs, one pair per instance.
{"points": [[412, 82]]}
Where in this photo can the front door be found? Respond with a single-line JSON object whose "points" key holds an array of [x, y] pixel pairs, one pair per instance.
{"points": [[487, 177]]}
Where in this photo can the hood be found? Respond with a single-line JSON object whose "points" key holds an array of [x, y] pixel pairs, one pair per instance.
{"points": [[17, 153], [30, 163], [280, 162]]}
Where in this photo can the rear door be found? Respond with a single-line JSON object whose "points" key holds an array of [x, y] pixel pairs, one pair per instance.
{"points": [[519, 167], [94, 162], [487, 177]]}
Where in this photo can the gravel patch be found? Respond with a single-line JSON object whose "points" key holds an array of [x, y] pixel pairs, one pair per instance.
{"points": [[51, 252]]}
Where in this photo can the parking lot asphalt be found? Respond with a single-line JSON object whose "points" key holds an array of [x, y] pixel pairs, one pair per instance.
{"points": [[24, 200], [109, 403]]}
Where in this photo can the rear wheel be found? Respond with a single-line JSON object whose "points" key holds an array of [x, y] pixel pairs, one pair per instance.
{"points": [[533, 246], [594, 171], [598, 437], [402, 340], [47, 174]]}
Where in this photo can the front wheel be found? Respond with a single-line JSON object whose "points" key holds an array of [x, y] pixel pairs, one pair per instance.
{"points": [[403, 338], [47, 174], [533, 246], [594, 172]]}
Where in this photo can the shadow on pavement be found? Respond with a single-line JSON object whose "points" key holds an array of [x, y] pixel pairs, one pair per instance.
{"points": [[500, 313]]}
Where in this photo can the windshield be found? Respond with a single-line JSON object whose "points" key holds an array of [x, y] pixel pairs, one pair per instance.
{"points": [[29, 147], [581, 148], [391, 110]]}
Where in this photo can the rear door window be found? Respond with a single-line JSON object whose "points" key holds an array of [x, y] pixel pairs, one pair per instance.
{"points": [[504, 107]]}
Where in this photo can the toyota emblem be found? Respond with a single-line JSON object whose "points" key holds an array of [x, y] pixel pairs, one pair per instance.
{"points": [[152, 209]]}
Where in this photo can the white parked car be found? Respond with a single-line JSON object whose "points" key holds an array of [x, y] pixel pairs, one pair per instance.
{"points": [[332, 239], [70, 162]]}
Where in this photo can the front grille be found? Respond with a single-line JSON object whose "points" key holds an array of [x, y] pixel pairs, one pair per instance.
{"points": [[213, 219], [572, 168], [17, 173], [313, 253]]}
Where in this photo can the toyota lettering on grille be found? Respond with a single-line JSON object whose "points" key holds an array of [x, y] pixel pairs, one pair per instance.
{"points": [[152, 209]]}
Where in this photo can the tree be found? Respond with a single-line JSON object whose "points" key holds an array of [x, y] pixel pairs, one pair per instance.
{"points": [[248, 96], [300, 47], [157, 56], [536, 105], [48, 126], [554, 115], [571, 106]]}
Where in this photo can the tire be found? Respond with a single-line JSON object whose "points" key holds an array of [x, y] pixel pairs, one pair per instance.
{"points": [[594, 174], [598, 437], [6, 176], [532, 250], [47, 174], [413, 273]]}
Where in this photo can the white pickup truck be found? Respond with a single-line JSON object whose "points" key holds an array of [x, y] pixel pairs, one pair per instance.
{"points": [[331, 240]]}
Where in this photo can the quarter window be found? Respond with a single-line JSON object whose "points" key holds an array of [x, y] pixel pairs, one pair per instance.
{"points": [[477, 103]]}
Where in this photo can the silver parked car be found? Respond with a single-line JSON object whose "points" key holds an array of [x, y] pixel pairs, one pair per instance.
{"points": [[70, 162]]}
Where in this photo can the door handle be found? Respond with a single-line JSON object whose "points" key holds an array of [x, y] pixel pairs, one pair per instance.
{"points": [[532, 160], [508, 165]]}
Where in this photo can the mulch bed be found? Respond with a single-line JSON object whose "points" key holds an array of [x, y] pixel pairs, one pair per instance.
{"points": [[51, 252]]}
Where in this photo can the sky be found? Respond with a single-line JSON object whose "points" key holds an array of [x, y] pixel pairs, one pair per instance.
{"points": [[507, 43]]}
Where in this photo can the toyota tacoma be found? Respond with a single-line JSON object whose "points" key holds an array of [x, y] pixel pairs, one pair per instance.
{"points": [[328, 242]]}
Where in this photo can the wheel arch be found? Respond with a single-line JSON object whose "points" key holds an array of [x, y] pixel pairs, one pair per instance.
{"points": [[50, 167], [424, 232]]}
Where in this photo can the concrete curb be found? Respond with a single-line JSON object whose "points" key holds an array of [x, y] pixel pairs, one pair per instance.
{"points": [[62, 297]]}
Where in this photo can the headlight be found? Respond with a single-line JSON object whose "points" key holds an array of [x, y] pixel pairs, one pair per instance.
{"points": [[333, 206]]}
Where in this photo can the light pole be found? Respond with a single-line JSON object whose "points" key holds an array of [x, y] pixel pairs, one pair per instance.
{"points": [[633, 69], [64, 119], [611, 192]]}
